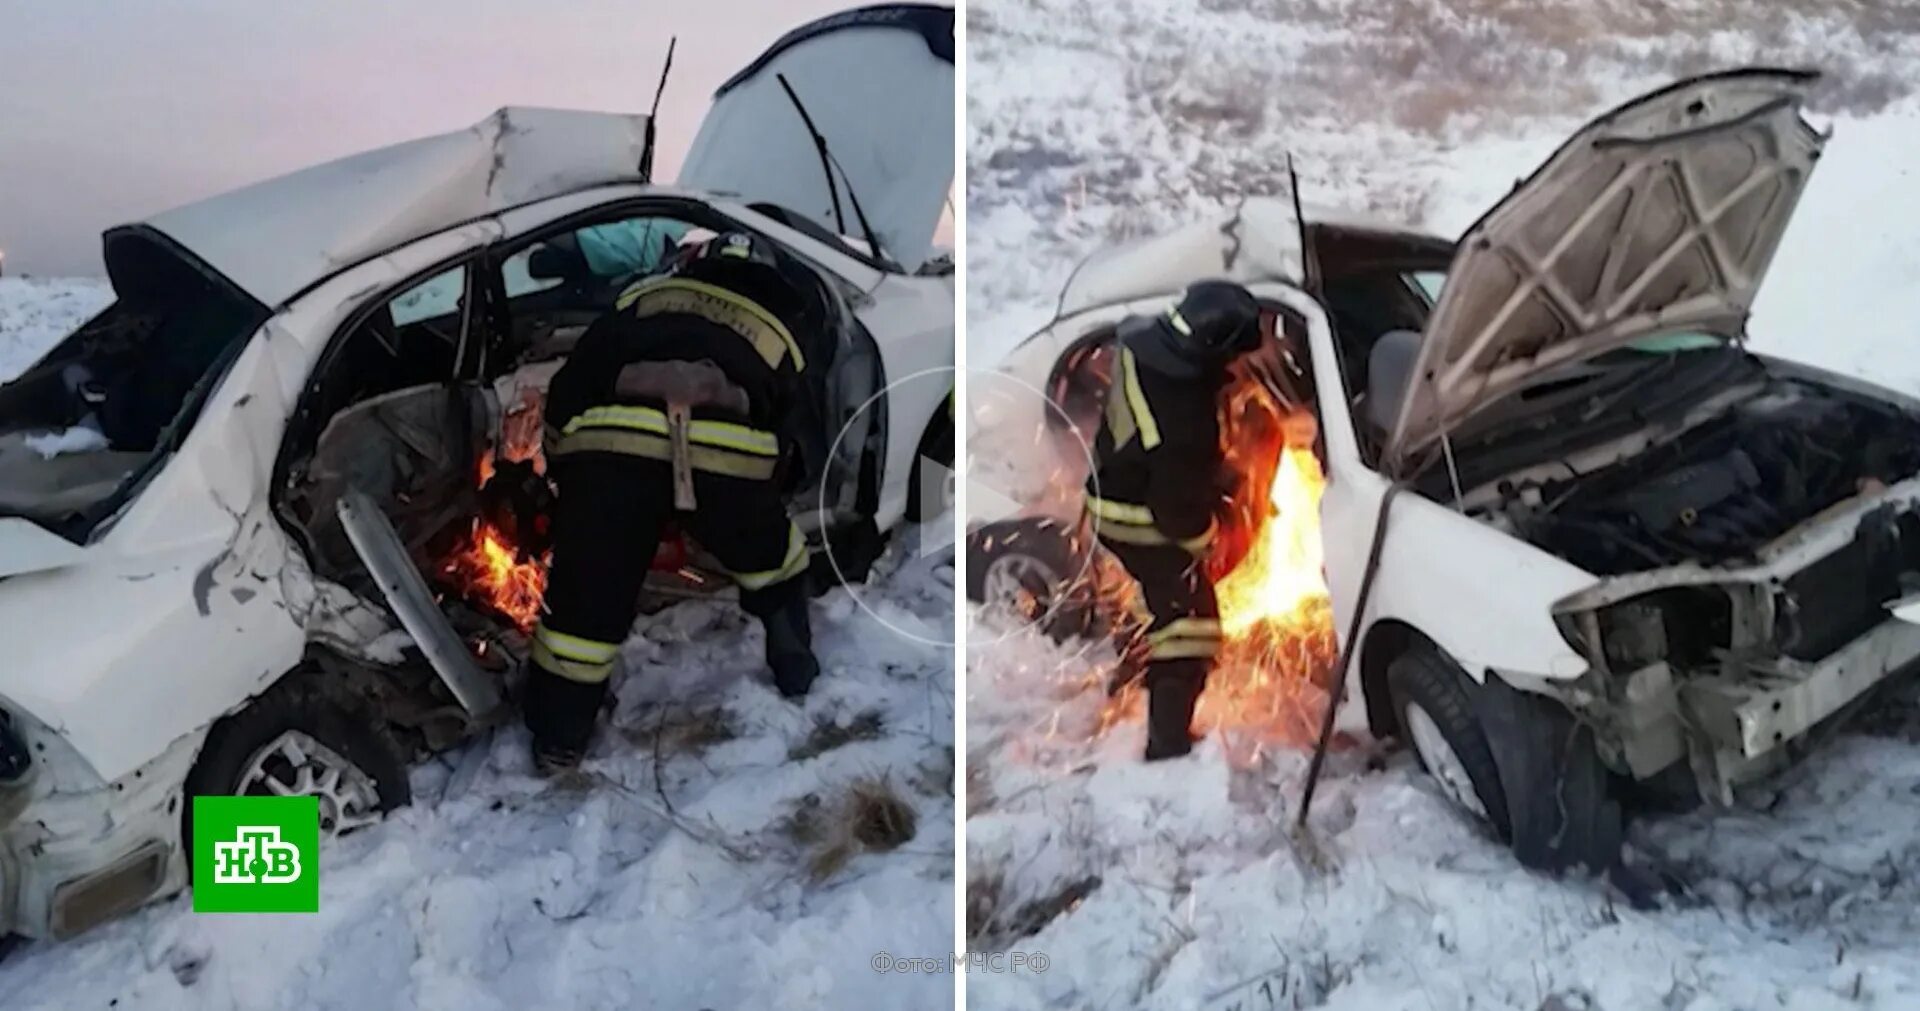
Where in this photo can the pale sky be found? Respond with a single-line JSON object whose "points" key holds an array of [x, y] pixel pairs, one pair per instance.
{"points": [[112, 111]]}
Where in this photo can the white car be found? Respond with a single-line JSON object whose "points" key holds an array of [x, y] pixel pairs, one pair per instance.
{"points": [[1606, 543], [278, 429]]}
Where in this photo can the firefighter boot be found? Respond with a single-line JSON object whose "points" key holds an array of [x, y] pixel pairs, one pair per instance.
{"points": [[560, 714], [782, 610], [1173, 690]]}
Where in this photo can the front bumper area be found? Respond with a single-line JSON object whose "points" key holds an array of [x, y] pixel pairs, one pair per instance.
{"points": [[1736, 728], [82, 851]]}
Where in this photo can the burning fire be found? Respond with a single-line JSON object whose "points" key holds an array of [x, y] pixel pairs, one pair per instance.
{"points": [[1270, 679], [1274, 607], [492, 574]]}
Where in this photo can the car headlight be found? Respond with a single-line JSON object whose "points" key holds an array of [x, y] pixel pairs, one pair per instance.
{"points": [[1684, 626]]}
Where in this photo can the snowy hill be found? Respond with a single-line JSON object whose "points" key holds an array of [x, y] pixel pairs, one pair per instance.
{"points": [[1180, 886], [707, 861]]}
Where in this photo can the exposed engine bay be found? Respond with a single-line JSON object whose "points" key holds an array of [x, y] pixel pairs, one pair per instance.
{"points": [[1720, 489]]}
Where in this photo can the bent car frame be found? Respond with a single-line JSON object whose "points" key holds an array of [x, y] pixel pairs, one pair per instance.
{"points": [[297, 396], [1575, 532]]}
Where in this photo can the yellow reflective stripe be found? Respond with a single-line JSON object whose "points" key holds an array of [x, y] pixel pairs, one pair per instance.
{"points": [[1137, 401], [1179, 322], [1198, 543], [645, 419], [1120, 512], [1127, 533], [726, 462], [732, 436], [573, 647], [1185, 649], [743, 316], [573, 670], [791, 566], [725, 434], [1187, 628], [1119, 417]]}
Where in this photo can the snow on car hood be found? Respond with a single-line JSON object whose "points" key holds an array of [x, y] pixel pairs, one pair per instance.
{"points": [[877, 83], [274, 238], [1657, 217]]}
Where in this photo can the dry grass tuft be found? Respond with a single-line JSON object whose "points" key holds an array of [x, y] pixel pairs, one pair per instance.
{"points": [[990, 923], [828, 735], [867, 815], [683, 731]]}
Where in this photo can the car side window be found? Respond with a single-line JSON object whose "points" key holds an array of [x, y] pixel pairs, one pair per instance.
{"points": [[557, 286], [438, 295], [411, 339], [592, 259], [1428, 283]]}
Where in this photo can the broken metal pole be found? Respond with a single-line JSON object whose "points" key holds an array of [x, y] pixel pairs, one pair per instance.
{"points": [[1346, 657], [380, 548]]}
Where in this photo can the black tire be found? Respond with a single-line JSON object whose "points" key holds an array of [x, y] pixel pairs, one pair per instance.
{"points": [[936, 444], [1559, 794], [1045, 545], [301, 701], [1533, 766], [1424, 678]]}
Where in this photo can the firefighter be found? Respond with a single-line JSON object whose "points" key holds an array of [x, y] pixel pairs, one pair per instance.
{"points": [[670, 408], [1155, 485]]}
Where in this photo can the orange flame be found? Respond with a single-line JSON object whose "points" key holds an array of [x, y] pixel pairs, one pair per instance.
{"points": [[1269, 682], [1275, 611], [489, 571]]}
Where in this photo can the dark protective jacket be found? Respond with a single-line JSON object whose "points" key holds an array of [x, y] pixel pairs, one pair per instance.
{"points": [[1157, 458], [677, 319]]}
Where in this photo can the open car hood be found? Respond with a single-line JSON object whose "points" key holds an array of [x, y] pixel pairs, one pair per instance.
{"points": [[1660, 216], [877, 83]]}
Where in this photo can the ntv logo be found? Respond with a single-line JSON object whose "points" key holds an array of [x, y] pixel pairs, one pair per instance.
{"points": [[256, 857], [256, 854]]}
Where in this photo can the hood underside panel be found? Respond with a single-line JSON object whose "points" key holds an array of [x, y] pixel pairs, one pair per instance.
{"points": [[1659, 217], [877, 82]]}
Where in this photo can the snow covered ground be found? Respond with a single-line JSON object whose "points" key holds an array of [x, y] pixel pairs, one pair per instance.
{"points": [[707, 861], [1179, 885]]}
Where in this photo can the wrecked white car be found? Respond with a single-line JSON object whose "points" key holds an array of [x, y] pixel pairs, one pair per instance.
{"points": [[265, 565], [1577, 536]]}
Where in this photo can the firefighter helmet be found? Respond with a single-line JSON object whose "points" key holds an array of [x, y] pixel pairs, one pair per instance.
{"points": [[746, 265], [1218, 319]]}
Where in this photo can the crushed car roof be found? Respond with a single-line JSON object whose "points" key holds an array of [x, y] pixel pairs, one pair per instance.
{"points": [[1256, 240], [274, 238]]}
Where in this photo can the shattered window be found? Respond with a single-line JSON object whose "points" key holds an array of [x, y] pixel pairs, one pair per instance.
{"points": [[438, 295]]}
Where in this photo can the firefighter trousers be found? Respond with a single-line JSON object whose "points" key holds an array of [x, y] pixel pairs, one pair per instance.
{"points": [[1183, 636], [606, 527]]}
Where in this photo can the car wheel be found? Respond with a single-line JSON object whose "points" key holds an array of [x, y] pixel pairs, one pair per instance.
{"points": [[1560, 796], [1023, 568], [1437, 719], [936, 445], [1519, 761], [301, 739]]}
